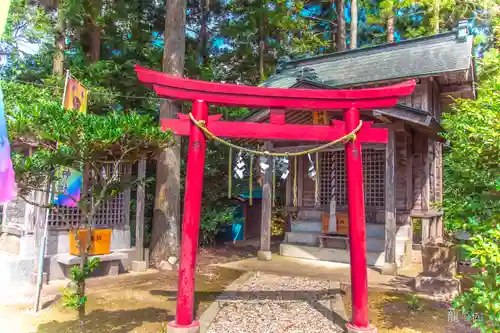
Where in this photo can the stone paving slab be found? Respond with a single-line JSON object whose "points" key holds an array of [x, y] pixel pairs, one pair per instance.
{"points": [[265, 303]]}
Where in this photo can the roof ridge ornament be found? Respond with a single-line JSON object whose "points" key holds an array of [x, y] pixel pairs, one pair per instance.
{"points": [[282, 62], [462, 30], [308, 73]]}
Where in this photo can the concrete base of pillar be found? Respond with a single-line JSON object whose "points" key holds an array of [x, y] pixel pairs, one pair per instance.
{"points": [[33, 277], [352, 329], [172, 327], [389, 269], [139, 266], [264, 255]]}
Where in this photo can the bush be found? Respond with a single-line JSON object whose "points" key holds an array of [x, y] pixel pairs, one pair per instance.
{"points": [[481, 304], [211, 219], [472, 192]]}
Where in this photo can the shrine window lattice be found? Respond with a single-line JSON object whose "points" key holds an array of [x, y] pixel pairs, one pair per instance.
{"points": [[333, 178], [110, 213]]}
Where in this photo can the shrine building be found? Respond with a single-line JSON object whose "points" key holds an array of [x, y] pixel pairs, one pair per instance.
{"points": [[403, 180]]}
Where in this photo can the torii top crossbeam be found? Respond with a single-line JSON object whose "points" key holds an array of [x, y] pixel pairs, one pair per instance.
{"points": [[277, 99], [204, 93], [259, 97]]}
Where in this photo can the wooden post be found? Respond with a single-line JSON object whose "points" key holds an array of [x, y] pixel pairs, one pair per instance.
{"points": [[390, 267], [434, 228], [425, 179], [265, 225], [426, 229], [440, 228], [426, 174], [288, 185], [127, 171], [409, 172], [300, 181], [139, 211]]}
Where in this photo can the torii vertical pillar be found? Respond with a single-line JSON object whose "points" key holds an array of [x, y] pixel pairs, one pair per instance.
{"points": [[357, 229], [184, 322]]}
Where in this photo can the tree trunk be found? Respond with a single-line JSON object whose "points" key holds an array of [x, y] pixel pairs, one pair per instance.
{"points": [[166, 219], [95, 43], [354, 24], [58, 60], [82, 284], [340, 36], [437, 9], [203, 42], [92, 30], [332, 27], [390, 28], [262, 46]]}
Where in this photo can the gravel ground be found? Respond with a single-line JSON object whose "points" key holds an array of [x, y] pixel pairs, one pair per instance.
{"points": [[268, 303]]}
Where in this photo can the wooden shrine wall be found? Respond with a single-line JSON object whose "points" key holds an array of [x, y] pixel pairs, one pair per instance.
{"points": [[418, 164]]}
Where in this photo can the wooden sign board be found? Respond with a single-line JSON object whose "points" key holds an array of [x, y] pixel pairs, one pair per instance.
{"points": [[342, 224]]}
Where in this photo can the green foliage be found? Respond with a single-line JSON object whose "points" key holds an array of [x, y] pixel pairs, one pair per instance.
{"points": [[26, 24], [278, 223], [472, 177], [413, 303], [481, 304], [67, 138], [71, 299], [212, 218], [472, 191], [278, 24], [46, 138], [78, 275], [72, 296]]}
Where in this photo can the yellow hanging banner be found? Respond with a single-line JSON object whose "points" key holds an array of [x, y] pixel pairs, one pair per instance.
{"points": [[76, 95]]}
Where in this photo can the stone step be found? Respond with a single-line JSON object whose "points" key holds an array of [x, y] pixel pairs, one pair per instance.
{"points": [[373, 244], [373, 230], [378, 231], [335, 255], [306, 226], [308, 215], [306, 238]]}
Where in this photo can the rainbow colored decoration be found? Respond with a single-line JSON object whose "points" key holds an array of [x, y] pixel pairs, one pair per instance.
{"points": [[68, 185], [8, 189]]}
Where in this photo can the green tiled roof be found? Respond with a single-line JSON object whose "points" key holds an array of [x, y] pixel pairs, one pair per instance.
{"points": [[407, 59]]}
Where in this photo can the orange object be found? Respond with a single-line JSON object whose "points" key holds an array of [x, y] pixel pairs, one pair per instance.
{"points": [[100, 241], [325, 221], [342, 224]]}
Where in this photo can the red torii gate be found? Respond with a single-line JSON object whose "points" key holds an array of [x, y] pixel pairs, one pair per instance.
{"points": [[204, 93]]}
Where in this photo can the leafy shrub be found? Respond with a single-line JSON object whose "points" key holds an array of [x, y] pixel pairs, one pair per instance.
{"points": [[211, 219], [472, 191], [481, 303], [72, 296], [413, 303]]}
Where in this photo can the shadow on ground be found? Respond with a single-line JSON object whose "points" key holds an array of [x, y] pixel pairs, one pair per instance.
{"points": [[401, 283], [101, 321]]}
